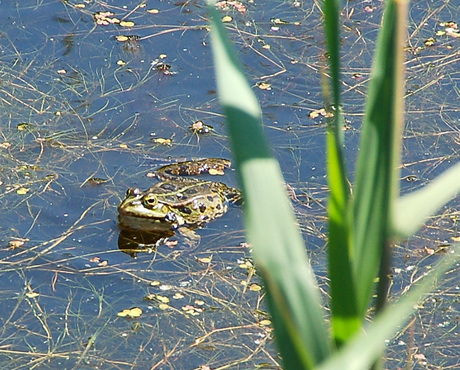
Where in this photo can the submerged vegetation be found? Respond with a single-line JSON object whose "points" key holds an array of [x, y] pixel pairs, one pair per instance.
{"points": [[363, 223], [94, 97]]}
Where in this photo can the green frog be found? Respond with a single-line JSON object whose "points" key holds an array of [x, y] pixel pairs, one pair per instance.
{"points": [[177, 201]]}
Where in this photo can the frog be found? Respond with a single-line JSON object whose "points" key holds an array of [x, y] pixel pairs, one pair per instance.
{"points": [[178, 201]]}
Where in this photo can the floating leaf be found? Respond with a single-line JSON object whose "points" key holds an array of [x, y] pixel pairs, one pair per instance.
{"points": [[205, 259], [278, 21], [246, 265], [130, 312], [126, 24], [320, 112], [226, 19], [22, 191], [17, 243], [430, 41], [192, 310], [24, 126], [165, 69], [96, 181], [162, 298], [264, 86], [105, 18], [265, 322], [161, 141], [239, 6], [32, 295], [153, 11], [199, 127], [255, 287]]}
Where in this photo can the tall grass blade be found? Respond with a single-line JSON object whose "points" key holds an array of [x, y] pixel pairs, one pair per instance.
{"points": [[345, 318], [412, 210], [278, 248], [377, 176]]}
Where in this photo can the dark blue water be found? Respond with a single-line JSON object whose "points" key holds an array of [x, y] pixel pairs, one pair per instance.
{"points": [[78, 104]]}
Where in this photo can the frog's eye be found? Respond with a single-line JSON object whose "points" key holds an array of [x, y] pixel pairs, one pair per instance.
{"points": [[150, 200]]}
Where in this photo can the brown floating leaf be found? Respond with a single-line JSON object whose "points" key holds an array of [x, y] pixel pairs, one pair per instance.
{"points": [[239, 6], [320, 112], [192, 310], [96, 181], [16, 243], [199, 127], [264, 86], [205, 260], [430, 41], [162, 141]]}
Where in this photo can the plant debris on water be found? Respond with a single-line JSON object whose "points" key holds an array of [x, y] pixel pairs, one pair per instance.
{"points": [[95, 96]]}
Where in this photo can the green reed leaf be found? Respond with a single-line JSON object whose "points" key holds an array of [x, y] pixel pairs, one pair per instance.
{"points": [[345, 317], [377, 177], [362, 350], [278, 248], [412, 210]]}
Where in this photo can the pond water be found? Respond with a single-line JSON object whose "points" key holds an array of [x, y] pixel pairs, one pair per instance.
{"points": [[90, 105]]}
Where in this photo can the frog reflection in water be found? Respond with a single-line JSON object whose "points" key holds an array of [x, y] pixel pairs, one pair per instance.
{"points": [[177, 201]]}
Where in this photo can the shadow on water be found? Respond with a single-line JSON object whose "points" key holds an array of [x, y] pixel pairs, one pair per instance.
{"points": [[94, 96]]}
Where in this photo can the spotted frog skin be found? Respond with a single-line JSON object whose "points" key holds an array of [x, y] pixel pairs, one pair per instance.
{"points": [[178, 201]]}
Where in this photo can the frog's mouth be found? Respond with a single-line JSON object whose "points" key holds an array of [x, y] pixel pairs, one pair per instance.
{"points": [[127, 221], [134, 206]]}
